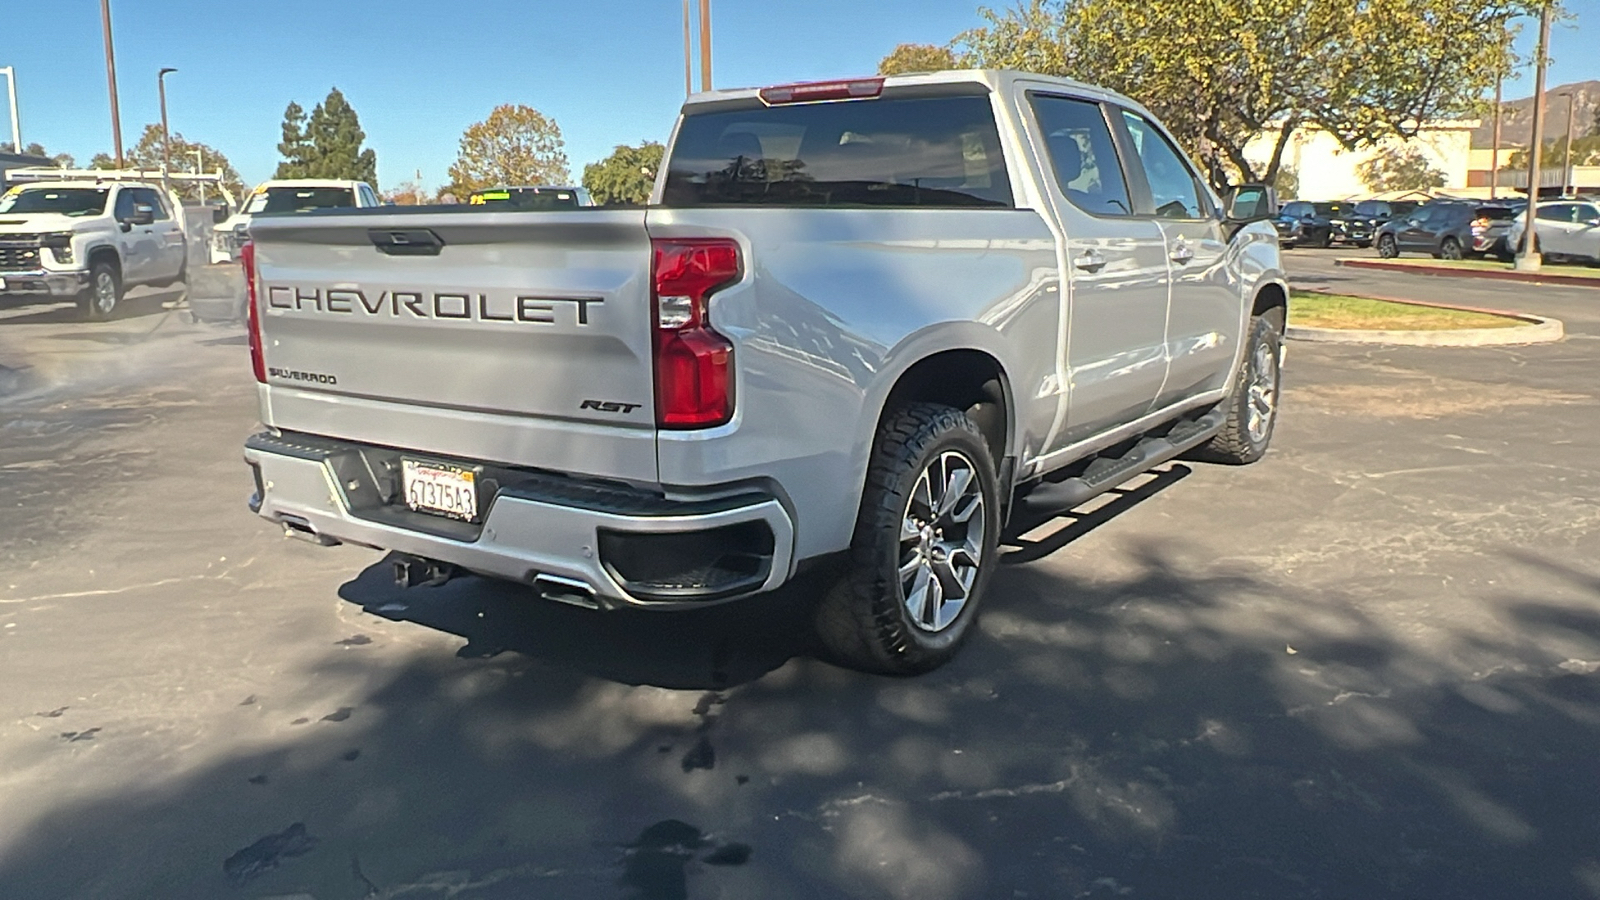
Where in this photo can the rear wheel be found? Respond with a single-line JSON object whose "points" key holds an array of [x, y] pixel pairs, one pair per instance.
{"points": [[1450, 248], [1253, 405], [103, 294], [924, 548], [1387, 248], [1327, 239]]}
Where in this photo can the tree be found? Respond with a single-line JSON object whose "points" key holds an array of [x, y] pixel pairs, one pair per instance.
{"points": [[1400, 169], [1219, 74], [626, 176], [908, 58], [333, 137], [516, 145], [146, 154], [1287, 183], [59, 160], [294, 148], [410, 193]]}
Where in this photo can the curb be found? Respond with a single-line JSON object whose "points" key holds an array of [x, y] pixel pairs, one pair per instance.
{"points": [[1486, 274], [1539, 330]]}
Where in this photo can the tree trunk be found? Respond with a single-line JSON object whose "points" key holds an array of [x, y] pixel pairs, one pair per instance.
{"points": [[1289, 126]]}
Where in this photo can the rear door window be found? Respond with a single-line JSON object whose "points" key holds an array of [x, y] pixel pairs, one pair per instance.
{"points": [[1556, 212], [1174, 189], [916, 152], [1084, 157]]}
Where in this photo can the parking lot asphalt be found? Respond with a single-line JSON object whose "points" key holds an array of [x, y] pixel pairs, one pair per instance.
{"points": [[1365, 667]]}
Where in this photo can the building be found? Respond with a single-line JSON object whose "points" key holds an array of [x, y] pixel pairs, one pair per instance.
{"points": [[1327, 171], [9, 161]]}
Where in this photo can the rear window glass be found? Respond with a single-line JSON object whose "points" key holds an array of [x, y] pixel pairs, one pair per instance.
{"points": [[1296, 209], [293, 199], [935, 151], [1496, 212], [524, 198], [1329, 209], [1372, 208]]}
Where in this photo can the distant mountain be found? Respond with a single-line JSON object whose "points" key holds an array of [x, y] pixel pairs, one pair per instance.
{"points": [[1517, 124]]}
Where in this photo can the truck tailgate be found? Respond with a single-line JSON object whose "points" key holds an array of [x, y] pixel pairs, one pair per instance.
{"points": [[521, 338]]}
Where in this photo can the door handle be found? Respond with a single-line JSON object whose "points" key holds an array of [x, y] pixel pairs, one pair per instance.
{"points": [[1090, 261], [1181, 253]]}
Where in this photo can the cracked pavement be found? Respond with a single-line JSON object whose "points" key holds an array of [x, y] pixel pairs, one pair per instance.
{"points": [[1368, 666]]}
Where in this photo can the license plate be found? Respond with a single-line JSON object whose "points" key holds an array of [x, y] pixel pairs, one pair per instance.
{"points": [[441, 490]]}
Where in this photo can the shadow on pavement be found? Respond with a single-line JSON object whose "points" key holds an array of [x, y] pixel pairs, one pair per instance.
{"points": [[1166, 733], [51, 312]]}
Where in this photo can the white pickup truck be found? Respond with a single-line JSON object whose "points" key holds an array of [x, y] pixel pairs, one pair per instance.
{"points": [[863, 327], [89, 241], [287, 195]]}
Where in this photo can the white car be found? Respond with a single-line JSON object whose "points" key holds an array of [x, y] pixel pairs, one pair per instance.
{"points": [[287, 195], [1566, 228], [89, 241]]}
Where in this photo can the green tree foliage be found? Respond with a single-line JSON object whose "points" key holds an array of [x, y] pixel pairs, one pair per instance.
{"points": [[34, 148], [626, 176], [516, 145], [1396, 169], [908, 58], [146, 154], [1219, 73], [1585, 152], [1287, 183], [327, 144], [294, 148]]}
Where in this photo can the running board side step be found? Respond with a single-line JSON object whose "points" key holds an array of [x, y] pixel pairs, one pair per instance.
{"points": [[1052, 498]]}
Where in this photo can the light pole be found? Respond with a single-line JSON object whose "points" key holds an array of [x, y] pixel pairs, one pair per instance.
{"points": [[1527, 259], [705, 45], [111, 80], [11, 88], [1566, 168], [166, 138], [200, 169], [688, 54], [1494, 149]]}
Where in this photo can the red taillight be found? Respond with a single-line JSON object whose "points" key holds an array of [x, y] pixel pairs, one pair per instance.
{"points": [[852, 89], [258, 362], [694, 364]]}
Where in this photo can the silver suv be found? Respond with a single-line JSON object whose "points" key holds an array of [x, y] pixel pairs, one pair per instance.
{"points": [[863, 327]]}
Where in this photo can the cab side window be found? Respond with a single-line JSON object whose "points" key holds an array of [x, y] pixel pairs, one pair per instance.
{"points": [[155, 201], [1174, 188], [1083, 155], [1556, 212], [123, 211]]}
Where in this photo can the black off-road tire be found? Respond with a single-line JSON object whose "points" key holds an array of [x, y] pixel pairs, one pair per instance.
{"points": [[93, 302], [1239, 443], [862, 621]]}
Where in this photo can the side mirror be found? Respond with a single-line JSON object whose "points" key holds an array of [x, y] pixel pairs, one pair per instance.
{"points": [[1250, 203], [143, 214]]}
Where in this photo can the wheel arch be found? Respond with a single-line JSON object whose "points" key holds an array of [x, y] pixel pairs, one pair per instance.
{"points": [[105, 253], [1272, 303], [969, 379]]}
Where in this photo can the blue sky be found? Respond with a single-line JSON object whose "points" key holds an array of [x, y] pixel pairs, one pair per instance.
{"points": [[609, 71]]}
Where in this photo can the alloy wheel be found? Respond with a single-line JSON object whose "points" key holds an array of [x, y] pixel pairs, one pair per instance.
{"points": [[105, 292], [941, 541], [1261, 395]]}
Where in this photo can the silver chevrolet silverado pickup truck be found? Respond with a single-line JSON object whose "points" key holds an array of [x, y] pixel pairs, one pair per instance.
{"points": [[869, 323]]}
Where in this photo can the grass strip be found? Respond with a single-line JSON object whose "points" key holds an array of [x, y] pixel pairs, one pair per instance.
{"points": [[1315, 309]]}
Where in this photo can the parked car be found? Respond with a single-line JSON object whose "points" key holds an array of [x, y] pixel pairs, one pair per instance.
{"points": [[1447, 229], [1372, 214], [1301, 223], [836, 341], [286, 195], [89, 241], [1563, 229], [533, 197]]}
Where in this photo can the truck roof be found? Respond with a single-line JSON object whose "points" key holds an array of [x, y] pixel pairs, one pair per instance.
{"points": [[307, 182], [994, 79]]}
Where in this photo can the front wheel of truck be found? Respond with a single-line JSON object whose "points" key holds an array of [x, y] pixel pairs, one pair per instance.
{"points": [[924, 549], [1253, 406]]}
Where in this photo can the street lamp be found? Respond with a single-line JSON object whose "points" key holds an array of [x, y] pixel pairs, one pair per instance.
{"points": [[111, 80], [166, 139], [16, 130], [1528, 259]]}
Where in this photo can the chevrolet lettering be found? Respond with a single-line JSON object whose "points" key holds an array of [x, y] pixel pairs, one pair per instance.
{"points": [[866, 329], [536, 309]]}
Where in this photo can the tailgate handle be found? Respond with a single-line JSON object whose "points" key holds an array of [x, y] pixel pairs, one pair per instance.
{"points": [[405, 241]]}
